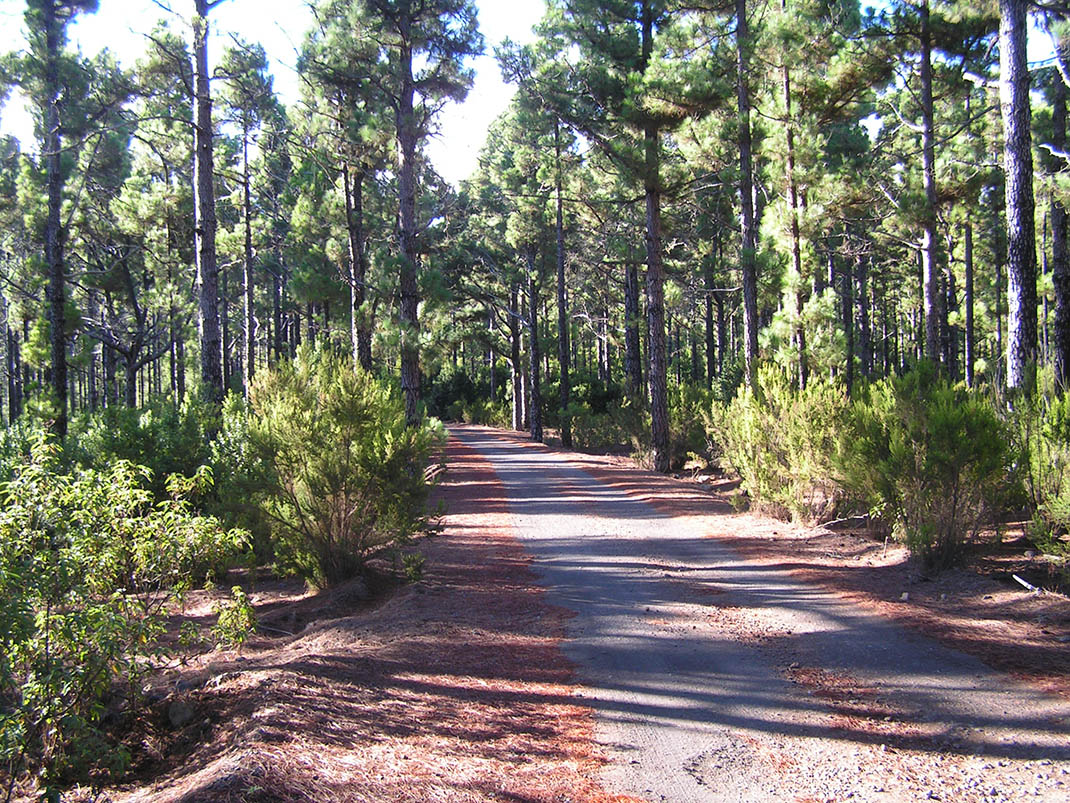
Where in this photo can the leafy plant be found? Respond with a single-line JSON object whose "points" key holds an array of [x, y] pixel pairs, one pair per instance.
{"points": [[344, 475], [236, 619], [932, 457], [782, 443], [88, 564]]}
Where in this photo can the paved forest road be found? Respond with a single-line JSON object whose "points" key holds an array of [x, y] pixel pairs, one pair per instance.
{"points": [[714, 679]]}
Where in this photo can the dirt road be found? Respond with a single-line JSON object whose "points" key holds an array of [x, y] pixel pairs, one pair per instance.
{"points": [[713, 678]]}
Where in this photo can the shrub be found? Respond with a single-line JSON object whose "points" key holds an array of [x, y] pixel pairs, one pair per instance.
{"points": [[164, 437], [688, 417], [87, 565], [344, 476], [624, 427], [782, 442], [931, 457], [1042, 427]]}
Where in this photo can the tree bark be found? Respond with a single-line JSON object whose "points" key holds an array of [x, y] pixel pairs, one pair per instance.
{"points": [[1060, 260], [796, 240], [534, 354], [968, 301], [54, 234], [711, 333], [748, 224], [211, 343], [360, 337], [250, 309], [655, 274], [930, 283], [563, 354], [516, 371], [1018, 169], [633, 364], [406, 135]]}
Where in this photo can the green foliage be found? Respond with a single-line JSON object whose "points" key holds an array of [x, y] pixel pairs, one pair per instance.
{"points": [[164, 437], [622, 426], [782, 442], [236, 619], [688, 406], [1042, 426], [343, 475], [88, 564], [931, 457]]}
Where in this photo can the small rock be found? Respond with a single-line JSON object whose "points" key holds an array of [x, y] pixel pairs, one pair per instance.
{"points": [[1029, 553], [180, 713]]}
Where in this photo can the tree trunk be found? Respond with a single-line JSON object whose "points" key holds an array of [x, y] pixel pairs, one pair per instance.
{"points": [[655, 274], [360, 337], [968, 265], [930, 283], [1060, 260], [865, 341], [1018, 169], [406, 135], [54, 235], [563, 354], [633, 365], [847, 310], [711, 334], [535, 357], [517, 372], [748, 223], [205, 219], [250, 310], [796, 244]]}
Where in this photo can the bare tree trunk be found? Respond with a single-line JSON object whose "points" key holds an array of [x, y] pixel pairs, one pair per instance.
{"points": [[865, 341], [514, 358], [633, 361], [250, 309], [796, 244], [970, 347], [930, 283], [748, 223], [205, 218], [1018, 169], [1060, 260], [535, 356], [655, 275], [360, 337], [563, 354], [54, 234], [711, 334], [847, 311], [406, 135]]}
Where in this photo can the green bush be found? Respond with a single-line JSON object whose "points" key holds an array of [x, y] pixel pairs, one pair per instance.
{"points": [[88, 563], [782, 443], [688, 419], [343, 475], [165, 437], [625, 426], [1042, 426], [931, 457]]}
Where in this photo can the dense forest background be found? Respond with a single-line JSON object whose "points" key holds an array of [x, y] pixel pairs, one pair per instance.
{"points": [[677, 192]]}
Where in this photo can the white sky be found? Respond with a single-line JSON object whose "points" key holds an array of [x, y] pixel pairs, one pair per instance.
{"points": [[279, 25]]}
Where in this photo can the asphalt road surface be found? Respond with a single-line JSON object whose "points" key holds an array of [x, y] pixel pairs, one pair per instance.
{"points": [[715, 679]]}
